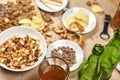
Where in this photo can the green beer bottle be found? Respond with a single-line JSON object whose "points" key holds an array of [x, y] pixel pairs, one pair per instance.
{"points": [[110, 56], [91, 67]]}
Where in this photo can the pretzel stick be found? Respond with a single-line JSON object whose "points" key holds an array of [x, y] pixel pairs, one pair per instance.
{"points": [[46, 5], [58, 1]]}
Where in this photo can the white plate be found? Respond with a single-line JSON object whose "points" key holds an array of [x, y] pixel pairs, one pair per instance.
{"points": [[54, 7], [71, 44], [23, 31], [73, 11]]}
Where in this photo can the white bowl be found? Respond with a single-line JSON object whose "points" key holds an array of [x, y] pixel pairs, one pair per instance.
{"points": [[22, 32], [71, 44], [73, 11]]}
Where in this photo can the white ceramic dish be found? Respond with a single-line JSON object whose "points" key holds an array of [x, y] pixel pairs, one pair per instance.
{"points": [[23, 31], [54, 7], [71, 44], [73, 11]]}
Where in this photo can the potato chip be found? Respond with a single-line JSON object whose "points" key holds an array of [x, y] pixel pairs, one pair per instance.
{"points": [[96, 8], [82, 23], [70, 20], [24, 21], [82, 16]]}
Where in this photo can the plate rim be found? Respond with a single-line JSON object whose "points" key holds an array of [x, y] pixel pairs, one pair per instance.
{"points": [[76, 65], [38, 62], [52, 11], [83, 9]]}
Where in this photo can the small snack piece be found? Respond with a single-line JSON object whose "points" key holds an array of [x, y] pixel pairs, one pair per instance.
{"points": [[48, 42], [88, 3], [37, 23], [47, 18], [37, 20], [70, 20], [75, 27], [46, 32], [25, 22], [6, 20], [80, 40], [82, 16], [97, 8], [59, 29]]}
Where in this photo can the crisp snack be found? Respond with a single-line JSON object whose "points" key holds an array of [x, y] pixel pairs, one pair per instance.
{"points": [[78, 22], [82, 16], [25, 22], [70, 20], [96, 8], [20, 53], [75, 26], [36, 23]]}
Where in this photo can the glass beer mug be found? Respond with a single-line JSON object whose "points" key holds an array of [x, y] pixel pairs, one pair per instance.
{"points": [[116, 19]]}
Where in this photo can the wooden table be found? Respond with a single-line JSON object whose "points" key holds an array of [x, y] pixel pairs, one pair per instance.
{"points": [[90, 39]]}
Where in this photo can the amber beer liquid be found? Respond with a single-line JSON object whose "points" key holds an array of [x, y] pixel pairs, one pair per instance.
{"points": [[53, 72], [53, 68], [116, 19]]}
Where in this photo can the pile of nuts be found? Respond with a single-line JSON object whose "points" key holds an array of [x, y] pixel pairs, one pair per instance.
{"points": [[12, 12], [3, 11], [66, 53], [19, 53]]}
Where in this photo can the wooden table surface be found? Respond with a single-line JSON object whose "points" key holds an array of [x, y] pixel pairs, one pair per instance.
{"points": [[90, 40]]}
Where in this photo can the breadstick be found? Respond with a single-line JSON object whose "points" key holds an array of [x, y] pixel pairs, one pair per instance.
{"points": [[53, 2], [46, 5]]}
